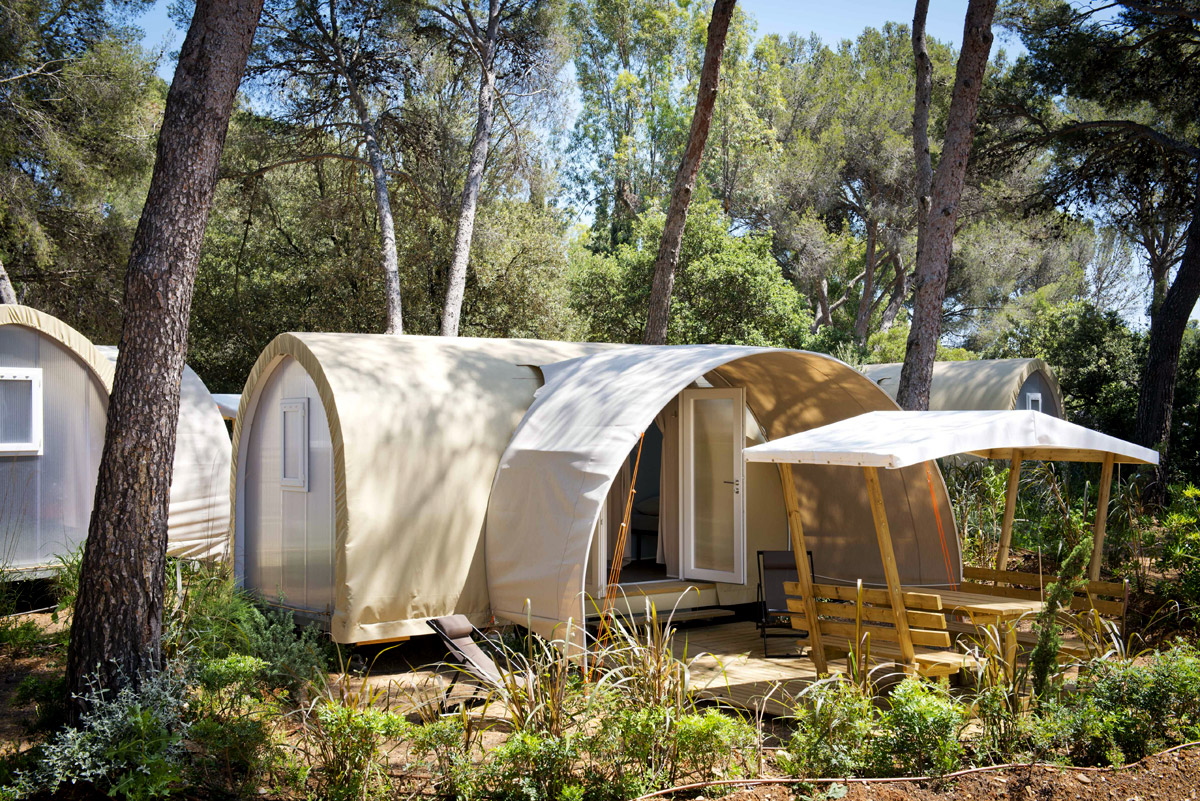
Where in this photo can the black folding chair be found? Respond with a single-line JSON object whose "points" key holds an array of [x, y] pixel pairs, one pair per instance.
{"points": [[774, 568]]}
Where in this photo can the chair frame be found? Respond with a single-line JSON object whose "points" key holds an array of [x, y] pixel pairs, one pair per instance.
{"points": [[767, 617]]}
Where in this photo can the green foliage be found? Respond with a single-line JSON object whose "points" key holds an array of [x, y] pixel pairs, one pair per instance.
{"points": [[530, 767], [919, 731], [48, 694], [294, 655], [1095, 355], [130, 746], [1126, 710], [727, 288], [348, 740], [834, 724], [1179, 554], [1059, 595]]}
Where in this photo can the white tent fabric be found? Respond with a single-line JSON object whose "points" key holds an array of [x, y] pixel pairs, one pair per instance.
{"points": [[899, 439], [228, 403], [976, 384], [198, 516], [561, 462]]}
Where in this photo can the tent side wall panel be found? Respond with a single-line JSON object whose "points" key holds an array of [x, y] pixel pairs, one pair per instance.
{"points": [[289, 530], [46, 501]]}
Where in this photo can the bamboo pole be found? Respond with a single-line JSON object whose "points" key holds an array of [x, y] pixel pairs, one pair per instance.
{"points": [[1101, 522], [1010, 510], [890, 572], [800, 552]]}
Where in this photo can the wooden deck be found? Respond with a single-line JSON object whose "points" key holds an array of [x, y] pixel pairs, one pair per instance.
{"points": [[729, 666]]}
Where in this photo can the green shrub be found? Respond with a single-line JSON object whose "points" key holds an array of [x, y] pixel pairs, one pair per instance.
{"points": [[294, 656], [835, 723], [919, 731], [1124, 710], [442, 747], [232, 726], [22, 637], [347, 741], [529, 767], [1180, 550], [130, 746], [49, 698]]}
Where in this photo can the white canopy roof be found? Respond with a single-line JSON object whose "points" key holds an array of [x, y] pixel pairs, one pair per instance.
{"points": [[228, 403], [900, 439]]}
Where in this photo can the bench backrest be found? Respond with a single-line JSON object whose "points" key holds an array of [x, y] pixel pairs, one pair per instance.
{"points": [[844, 611], [1109, 598]]}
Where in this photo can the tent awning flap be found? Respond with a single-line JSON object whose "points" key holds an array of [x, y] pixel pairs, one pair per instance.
{"points": [[899, 439]]}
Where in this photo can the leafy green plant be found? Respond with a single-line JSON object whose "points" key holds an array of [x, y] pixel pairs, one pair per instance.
{"points": [[232, 724], [294, 655], [1125, 710], [48, 694], [1179, 554], [346, 728], [919, 731], [130, 745], [834, 724]]}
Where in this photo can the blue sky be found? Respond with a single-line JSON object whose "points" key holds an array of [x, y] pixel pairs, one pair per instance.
{"points": [[830, 19]]}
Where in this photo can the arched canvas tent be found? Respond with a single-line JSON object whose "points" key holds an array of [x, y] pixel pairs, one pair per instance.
{"points": [[982, 385], [384, 480], [557, 470], [54, 387]]}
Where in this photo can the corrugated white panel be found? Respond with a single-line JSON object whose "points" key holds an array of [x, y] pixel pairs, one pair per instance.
{"points": [[289, 531], [46, 501]]}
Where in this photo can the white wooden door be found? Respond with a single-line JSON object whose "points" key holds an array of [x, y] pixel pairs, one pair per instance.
{"points": [[712, 435]]}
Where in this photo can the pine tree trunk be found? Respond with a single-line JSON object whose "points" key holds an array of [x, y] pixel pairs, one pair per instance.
{"points": [[685, 178], [922, 100], [934, 249], [457, 284], [7, 293], [1157, 396], [116, 631]]}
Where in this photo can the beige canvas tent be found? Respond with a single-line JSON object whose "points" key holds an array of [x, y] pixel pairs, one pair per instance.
{"points": [[381, 481], [982, 385], [54, 387]]}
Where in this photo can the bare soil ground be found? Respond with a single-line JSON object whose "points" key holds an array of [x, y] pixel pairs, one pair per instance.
{"points": [[1173, 777]]}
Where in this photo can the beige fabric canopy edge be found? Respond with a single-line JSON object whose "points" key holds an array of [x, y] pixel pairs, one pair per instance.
{"points": [[971, 385], [894, 439], [65, 335]]}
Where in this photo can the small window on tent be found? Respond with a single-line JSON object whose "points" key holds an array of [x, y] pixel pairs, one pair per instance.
{"points": [[20, 411], [294, 456], [1033, 401]]}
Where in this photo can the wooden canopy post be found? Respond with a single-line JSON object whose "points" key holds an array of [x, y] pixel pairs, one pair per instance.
{"points": [[1101, 522], [1010, 510], [800, 552], [890, 572]]}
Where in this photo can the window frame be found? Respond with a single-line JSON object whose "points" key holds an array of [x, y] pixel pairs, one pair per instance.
{"points": [[1029, 399], [35, 446], [286, 482]]}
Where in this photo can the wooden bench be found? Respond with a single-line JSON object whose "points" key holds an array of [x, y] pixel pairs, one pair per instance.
{"points": [[845, 614], [1107, 599]]}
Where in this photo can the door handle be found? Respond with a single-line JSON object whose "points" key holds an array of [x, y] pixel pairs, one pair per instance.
{"points": [[736, 488]]}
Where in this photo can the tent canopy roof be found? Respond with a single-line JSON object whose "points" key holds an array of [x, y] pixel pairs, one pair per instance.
{"points": [[977, 385], [898, 439]]}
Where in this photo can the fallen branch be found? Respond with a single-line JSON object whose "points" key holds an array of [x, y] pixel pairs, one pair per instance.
{"points": [[883, 780]]}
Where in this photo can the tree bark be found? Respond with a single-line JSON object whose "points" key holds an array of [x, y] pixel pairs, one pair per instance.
{"points": [[457, 284], [389, 261], [7, 293], [923, 99], [117, 627], [685, 178], [934, 249], [1167, 325]]}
